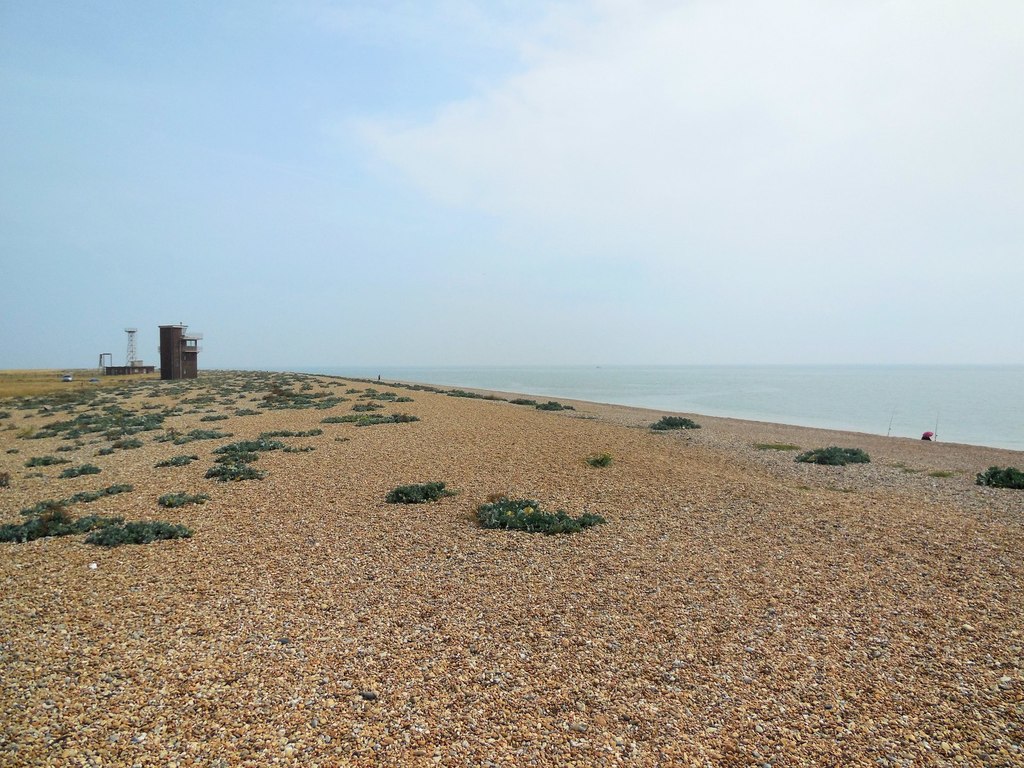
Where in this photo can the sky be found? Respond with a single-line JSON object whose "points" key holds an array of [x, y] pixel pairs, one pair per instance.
{"points": [[520, 182]]}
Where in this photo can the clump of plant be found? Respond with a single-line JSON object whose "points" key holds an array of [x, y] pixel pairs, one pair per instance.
{"points": [[527, 515], [5, 479], [46, 461], [776, 447], [291, 433], [553, 405], [522, 401], [180, 499], [124, 444], [666, 423], [234, 472], [53, 521], [994, 477], [214, 417], [417, 493], [834, 456], [177, 461], [599, 459], [136, 533], [394, 418], [247, 412], [363, 407], [244, 447], [84, 469], [87, 496], [298, 448]]}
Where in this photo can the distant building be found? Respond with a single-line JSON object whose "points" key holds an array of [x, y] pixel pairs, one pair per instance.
{"points": [[179, 352]]}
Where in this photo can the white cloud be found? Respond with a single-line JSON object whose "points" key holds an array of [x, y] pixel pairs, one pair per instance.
{"points": [[745, 131]]}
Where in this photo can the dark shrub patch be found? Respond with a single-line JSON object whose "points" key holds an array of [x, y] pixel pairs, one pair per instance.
{"points": [[526, 515], [363, 407], [776, 447], [298, 448], [250, 446], [230, 472], [131, 442], [247, 412], [214, 417], [418, 493], [46, 461], [553, 405], [291, 433], [599, 459], [180, 499], [674, 422], [1011, 477], [523, 401], [5, 479], [84, 497], [136, 533], [85, 469], [834, 456], [55, 521], [177, 461]]}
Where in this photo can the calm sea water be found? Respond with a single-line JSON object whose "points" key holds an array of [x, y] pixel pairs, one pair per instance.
{"points": [[980, 405]]}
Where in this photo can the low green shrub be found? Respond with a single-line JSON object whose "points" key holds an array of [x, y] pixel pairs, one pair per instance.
{"points": [[298, 448], [994, 477], [234, 472], [523, 401], [834, 456], [553, 405], [599, 459], [84, 469], [215, 417], [363, 407], [177, 461], [46, 461], [54, 522], [526, 515], [291, 433], [666, 423], [776, 447], [127, 443], [250, 446], [247, 412], [180, 499], [84, 497], [136, 533], [417, 493]]}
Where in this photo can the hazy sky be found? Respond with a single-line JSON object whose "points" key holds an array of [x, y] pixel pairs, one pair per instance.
{"points": [[444, 182]]}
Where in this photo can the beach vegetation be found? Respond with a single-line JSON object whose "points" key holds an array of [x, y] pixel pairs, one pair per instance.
{"points": [[553, 405], [527, 515], [834, 456], [995, 477], [776, 447], [234, 472], [84, 469], [5, 479], [180, 499], [114, 535], [417, 493], [127, 443], [599, 459], [215, 417], [666, 423], [941, 473], [46, 461], [196, 434], [291, 433], [177, 461]]}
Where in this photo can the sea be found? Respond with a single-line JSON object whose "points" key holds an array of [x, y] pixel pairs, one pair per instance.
{"points": [[974, 404]]}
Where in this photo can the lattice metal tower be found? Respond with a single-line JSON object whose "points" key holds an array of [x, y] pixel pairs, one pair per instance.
{"points": [[133, 354]]}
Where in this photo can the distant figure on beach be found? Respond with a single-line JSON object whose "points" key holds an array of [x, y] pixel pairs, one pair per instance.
{"points": [[928, 436]]}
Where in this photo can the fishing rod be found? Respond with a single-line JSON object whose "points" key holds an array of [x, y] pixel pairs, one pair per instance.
{"points": [[888, 432], [936, 426]]}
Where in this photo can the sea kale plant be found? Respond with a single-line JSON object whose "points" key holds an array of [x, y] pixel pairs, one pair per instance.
{"points": [[527, 515]]}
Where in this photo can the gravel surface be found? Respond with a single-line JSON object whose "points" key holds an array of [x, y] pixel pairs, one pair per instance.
{"points": [[737, 608]]}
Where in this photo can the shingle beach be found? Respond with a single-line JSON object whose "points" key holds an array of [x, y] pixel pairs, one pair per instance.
{"points": [[736, 609]]}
